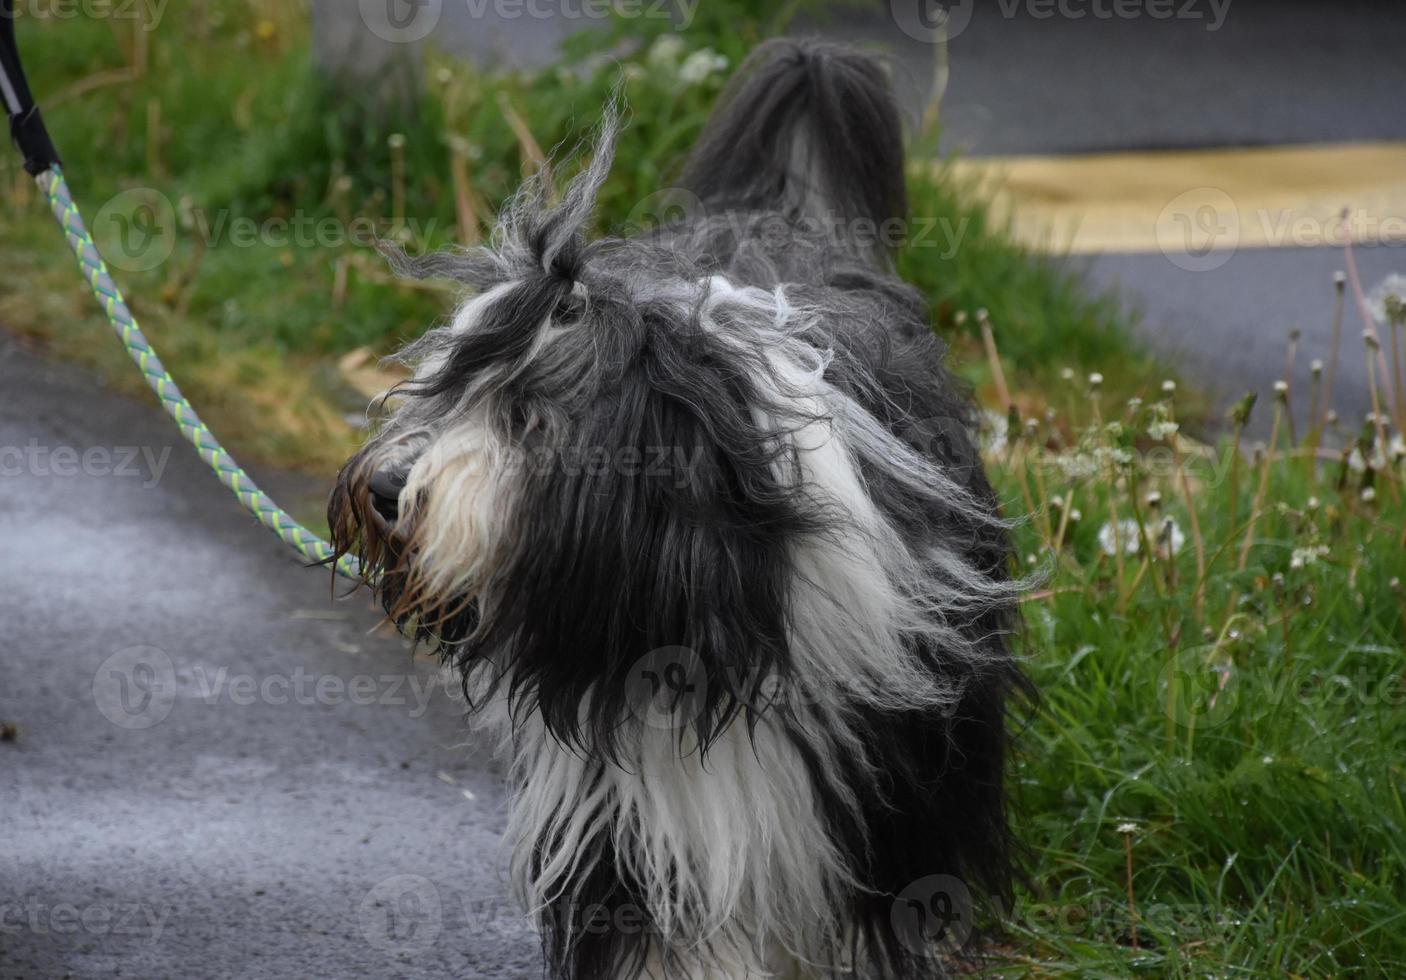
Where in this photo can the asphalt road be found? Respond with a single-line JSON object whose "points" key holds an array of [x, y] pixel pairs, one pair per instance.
{"points": [[218, 771]]}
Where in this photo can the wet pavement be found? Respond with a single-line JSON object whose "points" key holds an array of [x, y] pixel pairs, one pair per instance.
{"points": [[217, 771]]}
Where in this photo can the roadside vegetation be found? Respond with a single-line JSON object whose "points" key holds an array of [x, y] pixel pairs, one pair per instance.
{"points": [[1213, 781], [236, 195]]}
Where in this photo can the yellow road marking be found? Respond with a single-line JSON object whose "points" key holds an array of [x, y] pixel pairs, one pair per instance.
{"points": [[1198, 201]]}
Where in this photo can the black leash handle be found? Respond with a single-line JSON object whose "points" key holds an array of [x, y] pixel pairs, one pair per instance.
{"points": [[26, 124]]}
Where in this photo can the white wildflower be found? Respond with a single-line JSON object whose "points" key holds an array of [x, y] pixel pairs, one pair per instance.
{"points": [[666, 51], [1392, 285], [1162, 429], [698, 66], [993, 429], [1369, 494], [1116, 455], [1303, 557], [1077, 466], [1359, 463], [1110, 535]]}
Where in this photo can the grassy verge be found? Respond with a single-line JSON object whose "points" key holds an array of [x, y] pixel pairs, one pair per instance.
{"points": [[265, 190], [1214, 783]]}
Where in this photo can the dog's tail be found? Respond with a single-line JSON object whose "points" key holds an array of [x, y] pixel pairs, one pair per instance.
{"points": [[807, 128]]}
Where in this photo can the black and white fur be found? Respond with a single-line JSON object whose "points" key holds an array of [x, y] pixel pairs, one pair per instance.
{"points": [[750, 694]]}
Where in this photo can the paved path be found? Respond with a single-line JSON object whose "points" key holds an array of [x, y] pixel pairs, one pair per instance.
{"points": [[218, 771]]}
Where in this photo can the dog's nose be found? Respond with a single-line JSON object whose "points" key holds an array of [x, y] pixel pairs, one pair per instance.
{"points": [[385, 488]]}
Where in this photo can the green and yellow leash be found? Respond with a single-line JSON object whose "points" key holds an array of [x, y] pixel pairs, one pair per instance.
{"points": [[42, 162]]}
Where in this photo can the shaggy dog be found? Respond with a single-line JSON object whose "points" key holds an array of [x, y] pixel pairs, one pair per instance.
{"points": [[697, 516]]}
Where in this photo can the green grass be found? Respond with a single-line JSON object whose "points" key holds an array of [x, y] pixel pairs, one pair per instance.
{"points": [[229, 122], [1267, 818], [1243, 722]]}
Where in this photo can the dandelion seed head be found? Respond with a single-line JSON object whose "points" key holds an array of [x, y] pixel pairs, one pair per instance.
{"points": [[1125, 532]]}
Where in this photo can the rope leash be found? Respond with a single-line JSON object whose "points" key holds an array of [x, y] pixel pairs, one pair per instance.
{"points": [[229, 472], [41, 160]]}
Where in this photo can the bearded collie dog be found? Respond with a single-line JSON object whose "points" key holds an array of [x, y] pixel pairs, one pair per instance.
{"points": [[696, 513]]}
